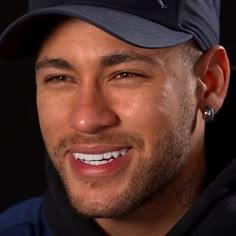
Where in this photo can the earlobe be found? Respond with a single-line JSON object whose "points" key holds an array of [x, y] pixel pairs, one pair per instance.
{"points": [[214, 70]]}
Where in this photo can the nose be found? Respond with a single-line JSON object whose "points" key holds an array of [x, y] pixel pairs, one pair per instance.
{"points": [[91, 111]]}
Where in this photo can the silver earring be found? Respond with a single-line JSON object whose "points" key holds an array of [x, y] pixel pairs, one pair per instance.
{"points": [[209, 114]]}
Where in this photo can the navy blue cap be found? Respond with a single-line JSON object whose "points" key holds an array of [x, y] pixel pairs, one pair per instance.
{"points": [[147, 24]]}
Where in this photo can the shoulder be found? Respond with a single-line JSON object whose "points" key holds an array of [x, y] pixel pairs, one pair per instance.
{"points": [[219, 205], [25, 218], [214, 213]]}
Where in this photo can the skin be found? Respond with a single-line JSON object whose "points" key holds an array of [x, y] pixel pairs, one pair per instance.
{"points": [[149, 100]]}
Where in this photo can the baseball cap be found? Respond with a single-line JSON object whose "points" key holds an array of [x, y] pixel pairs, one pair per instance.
{"points": [[144, 23]]}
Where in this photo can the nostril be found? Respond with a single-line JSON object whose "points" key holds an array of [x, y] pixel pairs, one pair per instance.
{"points": [[91, 110], [92, 121]]}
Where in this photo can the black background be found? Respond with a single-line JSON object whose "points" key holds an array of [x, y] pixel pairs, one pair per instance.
{"points": [[22, 149]]}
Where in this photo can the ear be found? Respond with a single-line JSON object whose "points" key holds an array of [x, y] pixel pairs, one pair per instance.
{"points": [[214, 71]]}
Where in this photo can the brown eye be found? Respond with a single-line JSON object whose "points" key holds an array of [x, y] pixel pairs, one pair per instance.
{"points": [[126, 74], [58, 78]]}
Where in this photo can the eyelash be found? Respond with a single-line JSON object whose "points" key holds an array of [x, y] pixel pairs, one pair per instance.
{"points": [[58, 78], [127, 75], [124, 75]]}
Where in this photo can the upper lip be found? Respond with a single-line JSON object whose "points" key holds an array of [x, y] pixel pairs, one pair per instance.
{"points": [[95, 149]]}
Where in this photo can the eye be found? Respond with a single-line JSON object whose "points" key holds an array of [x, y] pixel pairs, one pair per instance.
{"points": [[127, 74], [58, 78]]}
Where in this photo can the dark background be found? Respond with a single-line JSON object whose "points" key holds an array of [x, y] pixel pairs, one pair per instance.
{"points": [[22, 149]]}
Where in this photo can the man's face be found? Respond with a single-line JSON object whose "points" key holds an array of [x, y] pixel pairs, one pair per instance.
{"points": [[117, 120]]}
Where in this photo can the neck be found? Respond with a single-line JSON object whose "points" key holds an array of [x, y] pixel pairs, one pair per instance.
{"points": [[164, 210]]}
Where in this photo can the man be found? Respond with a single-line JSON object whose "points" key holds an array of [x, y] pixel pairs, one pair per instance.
{"points": [[124, 89]]}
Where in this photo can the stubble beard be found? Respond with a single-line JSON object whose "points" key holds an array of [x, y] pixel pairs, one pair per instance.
{"points": [[149, 178]]}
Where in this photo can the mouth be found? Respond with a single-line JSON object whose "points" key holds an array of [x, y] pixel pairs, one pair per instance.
{"points": [[101, 158]]}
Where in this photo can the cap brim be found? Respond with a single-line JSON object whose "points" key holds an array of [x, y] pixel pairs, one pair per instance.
{"points": [[23, 37]]}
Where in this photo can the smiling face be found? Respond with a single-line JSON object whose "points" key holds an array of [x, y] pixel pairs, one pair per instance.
{"points": [[118, 121]]}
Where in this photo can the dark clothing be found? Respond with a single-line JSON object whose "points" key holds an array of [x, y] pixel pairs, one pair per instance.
{"points": [[25, 219], [213, 214]]}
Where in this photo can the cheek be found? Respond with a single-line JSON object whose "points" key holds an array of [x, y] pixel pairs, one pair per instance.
{"points": [[146, 112], [52, 115]]}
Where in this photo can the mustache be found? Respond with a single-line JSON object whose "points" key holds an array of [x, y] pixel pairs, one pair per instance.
{"points": [[115, 139]]}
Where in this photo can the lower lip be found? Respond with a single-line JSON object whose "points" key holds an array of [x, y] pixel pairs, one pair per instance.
{"points": [[83, 170]]}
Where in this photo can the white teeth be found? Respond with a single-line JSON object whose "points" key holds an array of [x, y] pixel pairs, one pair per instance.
{"points": [[88, 157], [96, 163], [116, 154], [107, 155], [96, 157], [123, 152], [99, 159]]}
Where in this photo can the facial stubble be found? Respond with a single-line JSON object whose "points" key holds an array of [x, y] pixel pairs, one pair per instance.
{"points": [[147, 180]]}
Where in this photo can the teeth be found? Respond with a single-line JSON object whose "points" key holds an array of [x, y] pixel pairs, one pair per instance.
{"points": [[123, 152], [116, 154], [99, 159], [107, 155], [96, 163]]}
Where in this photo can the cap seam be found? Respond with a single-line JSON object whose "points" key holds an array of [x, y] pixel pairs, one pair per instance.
{"points": [[180, 4]]}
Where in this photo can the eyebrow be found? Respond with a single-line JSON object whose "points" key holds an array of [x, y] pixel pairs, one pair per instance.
{"points": [[118, 58], [107, 61], [58, 63]]}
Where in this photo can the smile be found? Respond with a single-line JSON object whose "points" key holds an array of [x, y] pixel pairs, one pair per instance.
{"points": [[100, 159]]}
